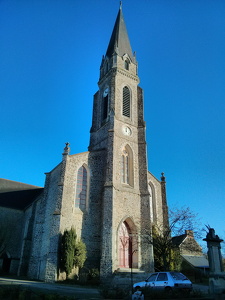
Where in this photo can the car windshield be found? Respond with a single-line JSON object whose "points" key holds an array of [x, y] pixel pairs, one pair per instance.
{"points": [[152, 277], [178, 276]]}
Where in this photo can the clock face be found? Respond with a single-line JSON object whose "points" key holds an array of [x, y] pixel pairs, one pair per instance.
{"points": [[106, 91], [126, 130]]}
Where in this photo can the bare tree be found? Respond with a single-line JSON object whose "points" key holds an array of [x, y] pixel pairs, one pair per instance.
{"points": [[165, 253], [181, 219]]}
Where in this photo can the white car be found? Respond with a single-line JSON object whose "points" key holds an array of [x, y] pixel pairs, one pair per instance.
{"points": [[167, 281]]}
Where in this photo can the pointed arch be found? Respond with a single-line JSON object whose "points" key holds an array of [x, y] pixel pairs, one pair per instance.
{"points": [[127, 245], [126, 102], [127, 171], [82, 188]]}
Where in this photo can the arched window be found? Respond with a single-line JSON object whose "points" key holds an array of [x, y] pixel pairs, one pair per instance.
{"points": [[152, 202], [127, 166], [81, 190], [126, 64], [126, 102]]}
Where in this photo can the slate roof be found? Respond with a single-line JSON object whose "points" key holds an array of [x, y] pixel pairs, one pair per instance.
{"points": [[119, 41], [17, 195], [196, 261], [178, 240]]}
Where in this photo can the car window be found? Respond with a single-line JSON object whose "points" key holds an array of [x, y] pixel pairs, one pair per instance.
{"points": [[178, 276], [162, 277], [152, 277]]}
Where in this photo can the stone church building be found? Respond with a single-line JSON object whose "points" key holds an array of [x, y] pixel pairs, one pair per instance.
{"points": [[106, 193]]}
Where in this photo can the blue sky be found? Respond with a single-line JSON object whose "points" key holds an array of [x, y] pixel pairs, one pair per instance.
{"points": [[50, 54]]}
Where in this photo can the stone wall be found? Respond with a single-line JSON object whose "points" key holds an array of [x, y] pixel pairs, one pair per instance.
{"points": [[44, 254], [12, 224], [156, 199], [86, 222], [29, 215]]}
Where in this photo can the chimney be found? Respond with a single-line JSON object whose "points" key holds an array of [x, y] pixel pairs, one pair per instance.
{"points": [[189, 233]]}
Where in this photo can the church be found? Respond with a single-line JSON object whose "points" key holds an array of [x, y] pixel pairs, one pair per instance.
{"points": [[106, 193]]}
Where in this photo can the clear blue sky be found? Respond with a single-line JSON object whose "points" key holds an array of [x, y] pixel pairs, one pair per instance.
{"points": [[50, 54]]}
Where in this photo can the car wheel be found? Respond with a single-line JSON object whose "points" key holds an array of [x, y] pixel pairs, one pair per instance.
{"points": [[168, 289], [187, 292]]}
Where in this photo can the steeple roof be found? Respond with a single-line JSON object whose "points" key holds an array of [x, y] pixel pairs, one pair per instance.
{"points": [[119, 42]]}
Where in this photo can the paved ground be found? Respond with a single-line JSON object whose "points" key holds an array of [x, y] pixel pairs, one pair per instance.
{"points": [[79, 292], [62, 289], [200, 287]]}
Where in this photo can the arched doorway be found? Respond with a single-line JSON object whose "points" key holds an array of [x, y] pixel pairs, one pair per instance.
{"points": [[127, 245], [6, 263]]}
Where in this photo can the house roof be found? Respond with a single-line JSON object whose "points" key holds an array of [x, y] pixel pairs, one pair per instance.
{"points": [[196, 261], [178, 240], [10, 185], [17, 195]]}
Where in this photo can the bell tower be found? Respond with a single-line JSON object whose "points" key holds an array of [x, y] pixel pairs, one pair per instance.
{"points": [[116, 98], [118, 129]]}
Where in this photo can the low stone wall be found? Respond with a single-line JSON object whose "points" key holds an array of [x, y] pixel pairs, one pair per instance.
{"points": [[126, 278]]}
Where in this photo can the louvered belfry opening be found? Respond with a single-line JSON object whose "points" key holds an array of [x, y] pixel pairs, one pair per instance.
{"points": [[105, 107], [126, 102]]}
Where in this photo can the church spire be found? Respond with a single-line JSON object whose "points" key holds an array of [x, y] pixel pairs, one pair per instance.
{"points": [[119, 42]]}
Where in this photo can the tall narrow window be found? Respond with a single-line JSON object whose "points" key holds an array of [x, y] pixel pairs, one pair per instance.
{"points": [[81, 191], [152, 205], [105, 104], [105, 107], [127, 166], [126, 102], [126, 64]]}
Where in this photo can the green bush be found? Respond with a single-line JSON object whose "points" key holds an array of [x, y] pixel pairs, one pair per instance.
{"points": [[73, 252], [80, 254]]}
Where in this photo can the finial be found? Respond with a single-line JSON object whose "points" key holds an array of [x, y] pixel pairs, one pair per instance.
{"points": [[120, 4], [66, 149], [163, 177]]}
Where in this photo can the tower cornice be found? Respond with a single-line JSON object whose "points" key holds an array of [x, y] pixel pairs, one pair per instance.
{"points": [[113, 71]]}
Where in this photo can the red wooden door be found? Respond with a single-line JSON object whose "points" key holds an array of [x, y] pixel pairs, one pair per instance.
{"points": [[124, 247]]}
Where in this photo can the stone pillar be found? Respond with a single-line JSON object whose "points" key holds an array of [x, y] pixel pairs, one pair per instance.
{"points": [[216, 275], [164, 202]]}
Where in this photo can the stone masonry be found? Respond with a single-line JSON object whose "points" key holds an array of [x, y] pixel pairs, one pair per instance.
{"points": [[119, 198]]}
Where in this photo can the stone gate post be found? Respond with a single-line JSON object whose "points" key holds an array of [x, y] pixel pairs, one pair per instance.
{"points": [[216, 275]]}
